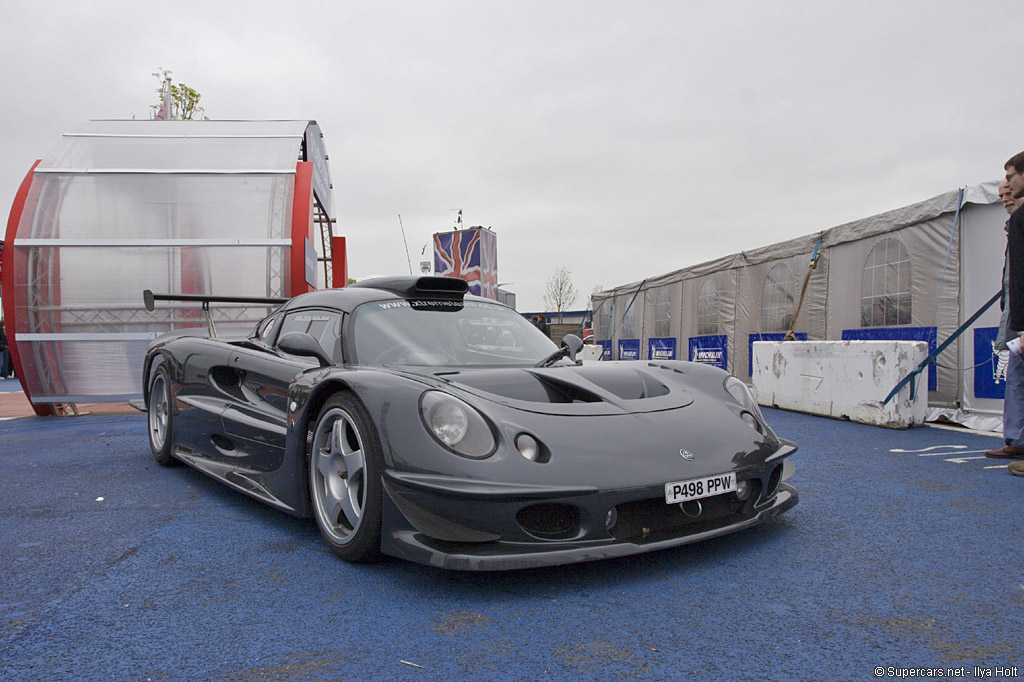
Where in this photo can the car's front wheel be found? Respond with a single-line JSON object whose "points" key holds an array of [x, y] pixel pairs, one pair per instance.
{"points": [[161, 418], [344, 479]]}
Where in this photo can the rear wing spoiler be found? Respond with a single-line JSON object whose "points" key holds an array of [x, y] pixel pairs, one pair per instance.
{"points": [[149, 300]]}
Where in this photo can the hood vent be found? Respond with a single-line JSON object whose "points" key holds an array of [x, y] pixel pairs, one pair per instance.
{"points": [[564, 385], [625, 383], [563, 392], [524, 385]]}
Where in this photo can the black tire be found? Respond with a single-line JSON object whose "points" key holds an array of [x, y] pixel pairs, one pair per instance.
{"points": [[344, 479], [160, 418]]}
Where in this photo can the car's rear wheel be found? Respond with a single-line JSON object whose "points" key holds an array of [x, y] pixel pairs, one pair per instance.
{"points": [[161, 418], [344, 479]]}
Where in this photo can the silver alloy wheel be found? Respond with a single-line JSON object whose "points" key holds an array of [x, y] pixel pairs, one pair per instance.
{"points": [[159, 412], [337, 474]]}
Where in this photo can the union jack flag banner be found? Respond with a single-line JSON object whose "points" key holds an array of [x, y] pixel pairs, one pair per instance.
{"points": [[471, 255]]}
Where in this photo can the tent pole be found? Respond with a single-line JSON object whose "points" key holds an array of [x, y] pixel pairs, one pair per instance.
{"points": [[790, 336]]}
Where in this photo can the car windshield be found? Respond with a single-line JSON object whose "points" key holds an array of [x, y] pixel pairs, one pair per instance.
{"points": [[445, 333]]}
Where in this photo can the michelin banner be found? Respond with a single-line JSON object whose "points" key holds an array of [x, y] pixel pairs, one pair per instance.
{"points": [[629, 349], [711, 350], [989, 364], [661, 349]]}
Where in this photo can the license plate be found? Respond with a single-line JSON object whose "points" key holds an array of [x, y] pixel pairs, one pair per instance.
{"points": [[696, 488]]}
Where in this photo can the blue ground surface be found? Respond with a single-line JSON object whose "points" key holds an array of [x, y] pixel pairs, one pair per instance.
{"points": [[117, 569], [10, 385]]}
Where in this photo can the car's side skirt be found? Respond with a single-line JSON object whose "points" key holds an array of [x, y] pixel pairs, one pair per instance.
{"points": [[243, 480]]}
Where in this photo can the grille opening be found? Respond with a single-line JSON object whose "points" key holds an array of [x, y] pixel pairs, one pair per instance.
{"points": [[773, 482], [755, 494], [652, 520], [550, 521]]}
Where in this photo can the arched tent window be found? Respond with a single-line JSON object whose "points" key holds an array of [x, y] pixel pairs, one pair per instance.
{"points": [[777, 299], [602, 328], [628, 327], [662, 314], [885, 287], [707, 309]]}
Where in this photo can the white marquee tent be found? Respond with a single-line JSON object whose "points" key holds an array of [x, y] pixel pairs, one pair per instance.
{"points": [[914, 273]]}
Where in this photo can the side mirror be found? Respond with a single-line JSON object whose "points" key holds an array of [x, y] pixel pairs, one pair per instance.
{"points": [[572, 345], [304, 345]]}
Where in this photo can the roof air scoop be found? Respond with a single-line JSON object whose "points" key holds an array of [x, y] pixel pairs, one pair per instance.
{"points": [[447, 288], [448, 285]]}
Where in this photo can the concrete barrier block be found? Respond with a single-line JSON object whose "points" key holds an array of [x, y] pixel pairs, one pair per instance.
{"points": [[842, 379]]}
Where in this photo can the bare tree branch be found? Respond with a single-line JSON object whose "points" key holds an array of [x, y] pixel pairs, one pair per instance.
{"points": [[560, 292]]}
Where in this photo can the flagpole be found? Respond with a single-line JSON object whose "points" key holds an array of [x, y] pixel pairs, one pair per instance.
{"points": [[164, 114], [407, 258]]}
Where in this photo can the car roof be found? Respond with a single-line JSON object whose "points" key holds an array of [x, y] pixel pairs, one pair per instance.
{"points": [[384, 288]]}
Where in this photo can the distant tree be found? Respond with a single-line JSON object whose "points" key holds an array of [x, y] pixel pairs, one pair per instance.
{"points": [[184, 100], [560, 292]]}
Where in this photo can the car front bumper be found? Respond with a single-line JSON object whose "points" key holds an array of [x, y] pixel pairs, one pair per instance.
{"points": [[483, 531]]}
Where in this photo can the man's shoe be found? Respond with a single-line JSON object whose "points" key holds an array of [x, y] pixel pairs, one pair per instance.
{"points": [[1006, 452], [1016, 468]]}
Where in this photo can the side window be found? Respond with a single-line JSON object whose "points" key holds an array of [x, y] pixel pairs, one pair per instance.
{"points": [[265, 329], [322, 325], [885, 286]]}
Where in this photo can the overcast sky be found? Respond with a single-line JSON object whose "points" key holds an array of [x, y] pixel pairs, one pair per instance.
{"points": [[620, 140]]}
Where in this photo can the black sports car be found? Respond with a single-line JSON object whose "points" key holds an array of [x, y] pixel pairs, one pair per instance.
{"points": [[410, 418]]}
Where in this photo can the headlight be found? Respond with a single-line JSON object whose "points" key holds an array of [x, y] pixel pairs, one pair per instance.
{"points": [[456, 425], [741, 394]]}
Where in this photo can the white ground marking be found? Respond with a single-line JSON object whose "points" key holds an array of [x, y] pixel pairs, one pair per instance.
{"points": [[941, 454]]}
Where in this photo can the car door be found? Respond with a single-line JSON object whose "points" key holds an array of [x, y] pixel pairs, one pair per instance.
{"points": [[258, 421], [200, 397]]}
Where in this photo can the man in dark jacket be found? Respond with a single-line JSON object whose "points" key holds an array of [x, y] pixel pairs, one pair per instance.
{"points": [[5, 355], [1013, 406]]}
